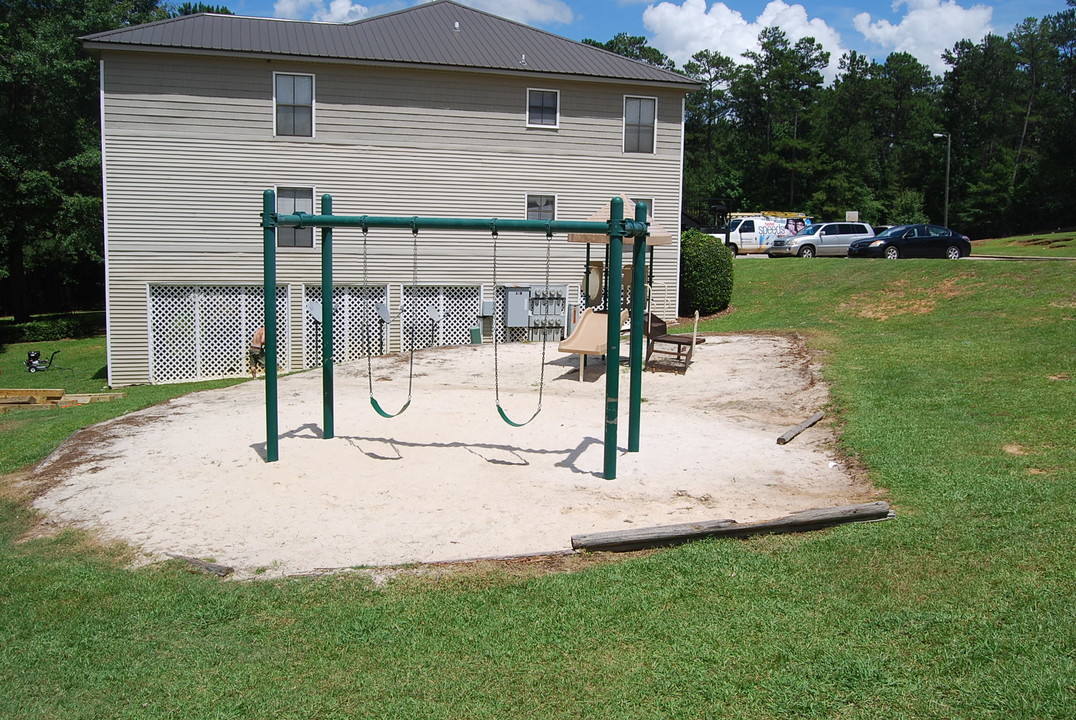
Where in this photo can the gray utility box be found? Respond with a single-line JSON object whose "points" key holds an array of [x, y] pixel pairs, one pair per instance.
{"points": [[542, 309]]}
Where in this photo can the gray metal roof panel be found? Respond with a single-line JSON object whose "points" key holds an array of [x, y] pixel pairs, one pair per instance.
{"points": [[424, 34]]}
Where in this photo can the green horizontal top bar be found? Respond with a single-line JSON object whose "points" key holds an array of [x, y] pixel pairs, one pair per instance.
{"points": [[630, 228]]}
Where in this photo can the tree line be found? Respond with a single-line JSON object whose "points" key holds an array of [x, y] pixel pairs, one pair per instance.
{"points": [[769, 134], [764, 134]]}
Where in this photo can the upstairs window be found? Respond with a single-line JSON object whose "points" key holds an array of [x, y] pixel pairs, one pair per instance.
{"points": [[293, 96], [541, 207], [640, 120], [649, 206], [543, 108], [289, 201]]}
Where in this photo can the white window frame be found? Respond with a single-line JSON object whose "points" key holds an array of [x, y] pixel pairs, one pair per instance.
{"points": [[313, 210], [527, 110], [528, 196], [624, 139], [313, 105], [649, 205]]}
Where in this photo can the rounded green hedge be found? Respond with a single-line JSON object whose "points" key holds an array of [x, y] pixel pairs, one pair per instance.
{"points": [[705, 273]]}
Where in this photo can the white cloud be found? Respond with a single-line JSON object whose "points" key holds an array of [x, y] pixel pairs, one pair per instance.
{"points": [[682, 30], [928, 28], [531, 12], [342, 11], [295, 9]]}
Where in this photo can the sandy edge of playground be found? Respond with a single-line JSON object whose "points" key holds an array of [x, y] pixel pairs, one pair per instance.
{"points": [[448, 479]]}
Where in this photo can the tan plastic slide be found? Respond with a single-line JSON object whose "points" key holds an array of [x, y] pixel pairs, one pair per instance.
{"points": [[590, 337]]}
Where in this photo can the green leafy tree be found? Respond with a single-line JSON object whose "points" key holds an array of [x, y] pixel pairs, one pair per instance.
{"points": [[189, 8], [772, 94], [711, 171], [196, 8], [50, 227], [636, 48]]}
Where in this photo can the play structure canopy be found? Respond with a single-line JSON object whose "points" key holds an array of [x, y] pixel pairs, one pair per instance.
{"points": [[658, 234]]}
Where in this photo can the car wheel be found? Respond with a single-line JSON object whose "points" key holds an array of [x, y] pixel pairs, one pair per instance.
{"points": [[892, 253], [735, 250], [952, 252], [806, 251]]}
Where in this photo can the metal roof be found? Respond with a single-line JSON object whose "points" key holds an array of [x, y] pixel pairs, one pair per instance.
{"points": [[439, 33]]}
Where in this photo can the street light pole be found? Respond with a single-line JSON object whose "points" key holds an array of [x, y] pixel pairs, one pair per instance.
{"points": [[948, 155]]}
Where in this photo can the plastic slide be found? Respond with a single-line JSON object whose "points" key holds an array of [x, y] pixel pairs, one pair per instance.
{"points": [[590, 336]]}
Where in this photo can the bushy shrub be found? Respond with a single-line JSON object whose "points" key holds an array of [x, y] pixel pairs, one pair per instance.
{"points": [[705, 273], [53, 327]]}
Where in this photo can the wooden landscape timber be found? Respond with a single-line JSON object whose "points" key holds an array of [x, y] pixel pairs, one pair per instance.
{"points": [[40, 396], [35, 398], [665, 535], [793, 432], [218, 570]]}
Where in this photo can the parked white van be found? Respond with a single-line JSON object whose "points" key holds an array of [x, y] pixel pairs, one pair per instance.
{"points": [[830, 238], [757, 233]]}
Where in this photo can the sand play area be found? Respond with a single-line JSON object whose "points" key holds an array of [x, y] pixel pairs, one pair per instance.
{"points": [[448, 479]]}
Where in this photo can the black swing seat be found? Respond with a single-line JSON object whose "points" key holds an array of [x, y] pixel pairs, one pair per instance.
{"points": [[660, 342]]}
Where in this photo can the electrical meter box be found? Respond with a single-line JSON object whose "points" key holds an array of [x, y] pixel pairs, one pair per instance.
{"points": [[517, 306]]}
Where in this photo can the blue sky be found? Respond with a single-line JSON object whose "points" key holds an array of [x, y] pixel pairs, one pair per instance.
{"points": [[679, 28]]}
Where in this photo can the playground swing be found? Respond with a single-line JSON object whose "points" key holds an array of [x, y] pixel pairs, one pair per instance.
{"points": [[545, 335], [385, 319]]}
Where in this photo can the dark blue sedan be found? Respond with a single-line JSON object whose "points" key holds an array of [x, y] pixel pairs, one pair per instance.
{"points": [[920, 241]]}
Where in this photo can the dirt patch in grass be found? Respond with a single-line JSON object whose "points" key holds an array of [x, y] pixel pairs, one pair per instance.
{"points": [[904, 297], [1044, 242]]}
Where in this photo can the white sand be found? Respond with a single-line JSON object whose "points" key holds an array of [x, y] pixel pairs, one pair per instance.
{"points": [[448, 479]]}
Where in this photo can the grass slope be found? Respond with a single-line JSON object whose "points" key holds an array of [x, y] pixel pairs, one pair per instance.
{"points": [[1042, 245], [953, 383]]}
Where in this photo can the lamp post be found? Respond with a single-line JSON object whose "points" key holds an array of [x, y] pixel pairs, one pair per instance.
{"points": [[948, 155]]}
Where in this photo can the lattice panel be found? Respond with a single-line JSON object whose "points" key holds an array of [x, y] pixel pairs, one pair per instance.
{"points": [[200, 332], [356, 326], [439, 315]]}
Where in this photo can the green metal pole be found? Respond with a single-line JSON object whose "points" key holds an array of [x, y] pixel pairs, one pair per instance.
{"points": [[272, 432], [327, 423], [612, 345], [638, 310]]}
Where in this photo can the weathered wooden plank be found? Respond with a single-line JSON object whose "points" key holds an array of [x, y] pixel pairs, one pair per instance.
{"points": [[17, 400], [218, 570], [793, 432], [663, 535]]}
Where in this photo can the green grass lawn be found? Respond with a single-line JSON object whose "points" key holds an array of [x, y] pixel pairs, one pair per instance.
{"points": [[1042, 245], [953, 385]]}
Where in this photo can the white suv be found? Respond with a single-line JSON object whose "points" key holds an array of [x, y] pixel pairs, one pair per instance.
{"points": [[830, 238]]}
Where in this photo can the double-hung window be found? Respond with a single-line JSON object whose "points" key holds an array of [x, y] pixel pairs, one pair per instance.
{"points": [[640, 121], [293, 96], [289, 201], [543, 108], [541, 207]]}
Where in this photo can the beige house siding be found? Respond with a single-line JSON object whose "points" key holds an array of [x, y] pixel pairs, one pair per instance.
{"points": [[189, 149]]}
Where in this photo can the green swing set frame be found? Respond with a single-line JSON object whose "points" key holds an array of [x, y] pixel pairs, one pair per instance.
{"points": [[617, 229]]}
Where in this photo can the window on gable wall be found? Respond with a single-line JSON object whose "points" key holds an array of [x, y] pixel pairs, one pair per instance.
{"points": [[291, 200], [649, 206], [543, 108], [541, 207], [640, 119], [294, 98]]}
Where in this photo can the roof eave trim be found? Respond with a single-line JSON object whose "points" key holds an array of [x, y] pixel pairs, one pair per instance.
{"points": [[687, 85]]}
